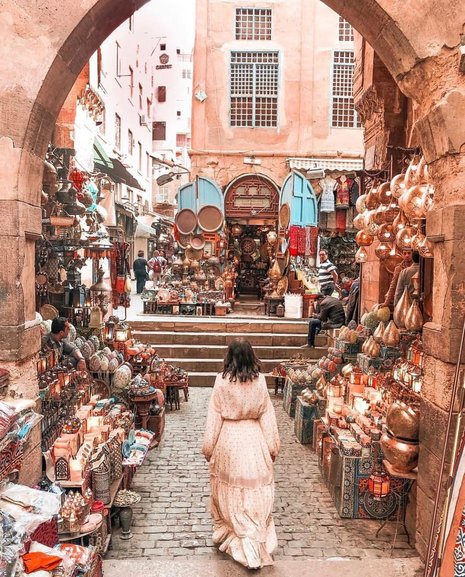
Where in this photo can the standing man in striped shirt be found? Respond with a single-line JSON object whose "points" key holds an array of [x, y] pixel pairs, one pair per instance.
{"points": [[327, 273]]}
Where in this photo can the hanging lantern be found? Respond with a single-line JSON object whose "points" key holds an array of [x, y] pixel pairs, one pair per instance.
{"points": [[425, 248], [392, 260], [400, 222], [77, 177], [96, 319], [379, 216], [359, 222], [379, 484], [386, 233], [236, 230], [413, 201], [121, 332], [360, 205], [372, 200], [361, 255], [391, 212], [382, 250], [101, 292], [362, 238], [405, 236], [428, 198], [384, 193], [411, 175], [397, 185], [109, 333]]}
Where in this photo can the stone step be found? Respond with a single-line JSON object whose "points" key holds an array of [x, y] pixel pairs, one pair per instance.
{"points": [[202, 351], [155, 337], [207, 379], [216, 364], [220, 325]]}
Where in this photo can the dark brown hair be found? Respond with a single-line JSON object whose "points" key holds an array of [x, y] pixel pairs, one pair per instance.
{"points": [[241, 363]]}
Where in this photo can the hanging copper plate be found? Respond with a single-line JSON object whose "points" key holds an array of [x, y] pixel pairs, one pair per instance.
{"points": [[184, 240], [210, 218], [284, 215], [48, 312], [197, 242], [248, 246], [186, 221]]}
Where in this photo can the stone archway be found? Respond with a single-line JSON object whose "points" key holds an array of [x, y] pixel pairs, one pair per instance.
{"points": [[44, 47]]}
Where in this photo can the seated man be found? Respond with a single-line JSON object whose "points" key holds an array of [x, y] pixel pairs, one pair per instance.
{"points": [[56, 339], [331, 315]]}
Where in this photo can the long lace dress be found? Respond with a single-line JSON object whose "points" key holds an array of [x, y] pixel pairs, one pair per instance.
{"points": [[240, 438]]}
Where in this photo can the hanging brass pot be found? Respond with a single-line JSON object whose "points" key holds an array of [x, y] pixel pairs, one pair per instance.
{"points": [[414, 319], [359, 222], [362, 238], [402, 308], [398, 185], [403, 455], [405, 236], [372, 200], [384, 193], [360, 203], [382, 250], [391, 335]]}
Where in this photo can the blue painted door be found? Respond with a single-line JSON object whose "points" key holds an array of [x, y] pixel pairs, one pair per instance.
{"points": [[208, 193], [298, 193]]}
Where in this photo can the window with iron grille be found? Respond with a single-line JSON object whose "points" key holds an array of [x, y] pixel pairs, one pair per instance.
{"points": [[344, 114], [346, 32], [254, 89], [253, 24]]}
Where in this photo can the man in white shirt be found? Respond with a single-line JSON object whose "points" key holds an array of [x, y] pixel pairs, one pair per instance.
{"points": [[327, 273]]}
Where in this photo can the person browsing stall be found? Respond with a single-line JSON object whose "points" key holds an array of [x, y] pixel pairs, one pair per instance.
{"points": [[140, 268], [331, 315], [57, 339]]}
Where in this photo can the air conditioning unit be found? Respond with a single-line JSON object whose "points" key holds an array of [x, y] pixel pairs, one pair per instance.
{"points": [[144, 120]]}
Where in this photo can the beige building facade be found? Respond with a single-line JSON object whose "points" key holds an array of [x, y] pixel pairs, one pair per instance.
{"points": [[271, 84]]}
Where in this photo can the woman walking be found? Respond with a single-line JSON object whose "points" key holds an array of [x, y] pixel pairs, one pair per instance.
{"points": [[241, 442]]}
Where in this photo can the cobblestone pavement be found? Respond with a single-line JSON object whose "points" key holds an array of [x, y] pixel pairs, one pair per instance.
{"points": [[172, 519]]}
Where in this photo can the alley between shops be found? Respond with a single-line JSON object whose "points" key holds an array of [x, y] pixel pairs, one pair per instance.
{"points": [[172, 520]]}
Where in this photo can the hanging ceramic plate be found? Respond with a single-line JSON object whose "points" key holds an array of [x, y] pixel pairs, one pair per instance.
{"points": [[184, 240], [186, 221], [248, 246], [219, 284], [210, 218], [284, 215], [197, 242], [48, 312]]}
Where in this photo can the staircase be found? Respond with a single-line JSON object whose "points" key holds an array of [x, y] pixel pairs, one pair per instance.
{"points": [[199, 344]]}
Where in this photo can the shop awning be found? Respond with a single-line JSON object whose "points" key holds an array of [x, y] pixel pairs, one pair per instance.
{"points": [[113, 167], [330, 164], [143, 229]]}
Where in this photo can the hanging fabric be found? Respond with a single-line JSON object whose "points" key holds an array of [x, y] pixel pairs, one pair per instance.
{"points": [[327, 196], [293, 240], [343, 187], [301, 241], [341, 219]]}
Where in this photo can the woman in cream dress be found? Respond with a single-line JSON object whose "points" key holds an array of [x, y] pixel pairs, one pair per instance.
{"points": [[241, 442]]}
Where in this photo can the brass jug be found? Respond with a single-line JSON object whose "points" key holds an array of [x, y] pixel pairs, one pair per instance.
{"points": [[391, 335], [401, 309], [414, 319]]}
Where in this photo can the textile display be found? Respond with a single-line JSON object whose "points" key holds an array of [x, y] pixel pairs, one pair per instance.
{"points": [[301, 241], [293, 240]]}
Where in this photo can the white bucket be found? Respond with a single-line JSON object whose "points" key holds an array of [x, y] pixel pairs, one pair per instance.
{"points": [[293, 306]]}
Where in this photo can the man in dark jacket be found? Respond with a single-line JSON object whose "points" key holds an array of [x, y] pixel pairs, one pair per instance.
{"points": [[331, 315], [140, 268]]}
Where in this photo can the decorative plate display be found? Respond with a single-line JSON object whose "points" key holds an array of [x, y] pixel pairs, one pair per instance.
{"points": [[113, 365], [284, 215], [79, 342], [174, 295], [95, 363], [194, 254], [48, 312], [219, 284], [104, 363], [186, 221], [95, 342], [248, 246], [197, 242], [184, 240], [210, 218]]}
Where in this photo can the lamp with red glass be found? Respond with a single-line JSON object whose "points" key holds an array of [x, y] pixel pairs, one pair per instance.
{"points": [[379, 482]]}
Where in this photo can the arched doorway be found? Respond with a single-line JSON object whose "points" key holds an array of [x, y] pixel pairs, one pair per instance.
{"points": [[251, 210], [420, 58]]}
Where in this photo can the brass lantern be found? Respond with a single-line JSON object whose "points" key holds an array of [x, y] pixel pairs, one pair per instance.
{"points": [[379, 484], [386, 233], [382, 250], [397, 185], [361, 255], [404, 237], [362, 238], [101, 292]]}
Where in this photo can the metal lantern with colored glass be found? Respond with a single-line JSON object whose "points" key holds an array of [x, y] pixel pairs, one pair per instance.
{"points": [[121, 332], [101, 292], [379, 484], [110, 324]]}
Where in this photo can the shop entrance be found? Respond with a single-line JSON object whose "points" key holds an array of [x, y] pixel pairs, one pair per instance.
{"points": [[251, 211]]}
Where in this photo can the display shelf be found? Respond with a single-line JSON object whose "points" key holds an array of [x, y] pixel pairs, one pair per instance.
{"points": [[64, 537]]}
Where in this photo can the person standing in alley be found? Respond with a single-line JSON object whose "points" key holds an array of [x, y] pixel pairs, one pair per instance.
{"points": [[157, 266], [140, 268], [327, 273], [241, 443]]}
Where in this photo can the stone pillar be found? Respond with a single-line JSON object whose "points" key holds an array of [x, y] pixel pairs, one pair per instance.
{"points": [[441, 336]]}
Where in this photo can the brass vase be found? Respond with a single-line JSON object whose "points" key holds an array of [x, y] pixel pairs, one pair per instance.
{"points": [[402, 308], [379, 332], [391, 335], [403, 421], [414, 319], [403, 455]]}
